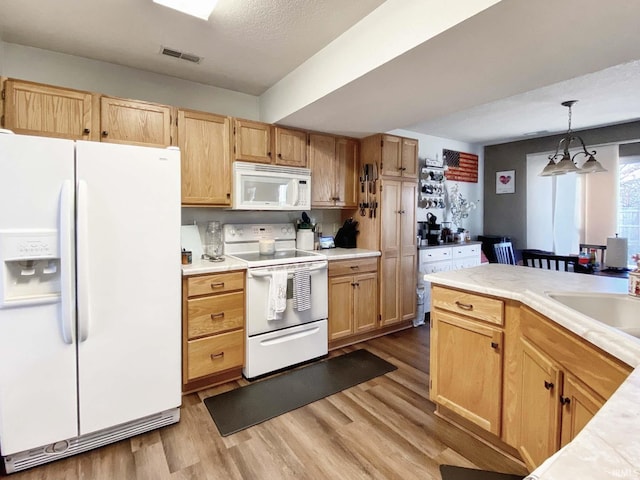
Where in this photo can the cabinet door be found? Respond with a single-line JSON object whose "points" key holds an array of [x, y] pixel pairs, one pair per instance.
{"points": [[291, 147], [134, 122], [409, 250], [206, 165], [322, 159], [347, 172], [579, 405], [34, 109], [409, 158], [341, 292], [540, 412], [466, 368], [390, 245], [252, 141], [365, 310], [391, 158]]}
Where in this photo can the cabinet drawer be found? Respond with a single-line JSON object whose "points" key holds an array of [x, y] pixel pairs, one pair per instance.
{"points": [[215, 313], [215, 354], [435, 267], [466, 251], [218, 283], [477, 306], [466, 262], [435, 254], [350, 267]]}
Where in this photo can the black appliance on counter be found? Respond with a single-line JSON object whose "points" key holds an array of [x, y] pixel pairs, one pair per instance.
{"points": [[346, 235], [488, 241], [430, 230]]}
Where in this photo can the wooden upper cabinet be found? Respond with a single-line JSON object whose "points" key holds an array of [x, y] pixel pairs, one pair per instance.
{"points": [[391, 156], [347, 172], [409, 158], [291, 147], [36, 109], [204, 139], [322, 157], [252, 141], [134, 122], [334, 171]]}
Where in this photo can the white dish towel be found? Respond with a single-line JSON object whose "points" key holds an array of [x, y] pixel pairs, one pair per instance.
{"points": [[302, 290], [277, 301]]}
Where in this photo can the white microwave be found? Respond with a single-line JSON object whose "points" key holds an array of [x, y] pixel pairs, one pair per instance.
{"points": [[258, 186]]}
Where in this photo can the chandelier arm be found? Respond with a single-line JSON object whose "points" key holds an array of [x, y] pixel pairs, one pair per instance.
{"points": [[584, 148]]}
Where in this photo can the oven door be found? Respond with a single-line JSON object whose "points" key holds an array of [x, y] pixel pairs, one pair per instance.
{"points": [[257, 295]]}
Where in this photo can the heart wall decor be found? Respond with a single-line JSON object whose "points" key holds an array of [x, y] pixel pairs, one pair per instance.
{"points": [[506, 182]]}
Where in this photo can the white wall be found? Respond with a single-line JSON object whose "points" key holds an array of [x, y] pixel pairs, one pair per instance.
{"points": [[429, 147], [53, 68]]}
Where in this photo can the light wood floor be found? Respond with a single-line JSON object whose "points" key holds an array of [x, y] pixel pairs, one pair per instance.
{"points": [[382, 429]]}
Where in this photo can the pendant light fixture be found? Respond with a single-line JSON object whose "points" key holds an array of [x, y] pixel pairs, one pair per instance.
{"points": [[567, 162]]}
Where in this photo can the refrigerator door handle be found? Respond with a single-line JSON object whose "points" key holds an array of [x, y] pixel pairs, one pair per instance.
{"points": [[84, 304], [66, 262]]}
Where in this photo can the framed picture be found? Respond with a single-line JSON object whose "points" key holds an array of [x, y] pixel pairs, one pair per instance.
{"points": [[506, 182]]}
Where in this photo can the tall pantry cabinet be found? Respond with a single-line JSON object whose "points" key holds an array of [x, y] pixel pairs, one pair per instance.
{"points": [[391, 228]]}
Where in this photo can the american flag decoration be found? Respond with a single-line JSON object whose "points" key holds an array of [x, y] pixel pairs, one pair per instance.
{"points": [[462, 167]]}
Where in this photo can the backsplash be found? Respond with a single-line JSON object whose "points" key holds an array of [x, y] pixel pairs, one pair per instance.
{"points": [[328, 221]]}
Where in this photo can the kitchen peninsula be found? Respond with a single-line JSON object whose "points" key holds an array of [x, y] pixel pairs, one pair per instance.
{"points": [[511, 304]]}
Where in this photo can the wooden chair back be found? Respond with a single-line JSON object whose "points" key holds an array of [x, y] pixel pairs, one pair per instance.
{"points": [[504, 253], [548, 261]]}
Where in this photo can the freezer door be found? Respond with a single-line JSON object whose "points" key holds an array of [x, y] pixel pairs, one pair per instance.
{"points": [[129, 320], [38, 398]]}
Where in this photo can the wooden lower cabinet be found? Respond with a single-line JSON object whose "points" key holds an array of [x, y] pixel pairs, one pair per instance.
{"points": [[528, 383], [213, 317], [466, 357], [353, 297], [565, 381]]}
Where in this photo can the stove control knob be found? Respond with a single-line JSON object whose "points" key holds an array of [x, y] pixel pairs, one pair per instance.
{"points": [[289, 229], [284, 229]]}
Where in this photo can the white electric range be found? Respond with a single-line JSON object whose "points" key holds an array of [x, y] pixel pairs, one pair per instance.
{"points": [[297, 334]]}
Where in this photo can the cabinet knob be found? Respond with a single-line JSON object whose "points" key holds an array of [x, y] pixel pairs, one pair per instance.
{"points": [[105, 133], [269, 154], [565, 400], [86, 131], [494, 345], [548, 385], [279, 155]]}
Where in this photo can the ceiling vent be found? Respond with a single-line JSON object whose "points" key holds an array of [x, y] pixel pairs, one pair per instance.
{"points": [[172, 52]]}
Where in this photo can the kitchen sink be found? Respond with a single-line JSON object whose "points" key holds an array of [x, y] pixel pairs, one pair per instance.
{"points": [[617, 310]]}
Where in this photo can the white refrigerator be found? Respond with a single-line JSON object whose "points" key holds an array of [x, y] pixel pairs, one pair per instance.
{"points": [[90, 310]]}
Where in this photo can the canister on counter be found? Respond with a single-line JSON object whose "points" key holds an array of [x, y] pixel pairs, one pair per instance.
{"points": [[186, 257]]}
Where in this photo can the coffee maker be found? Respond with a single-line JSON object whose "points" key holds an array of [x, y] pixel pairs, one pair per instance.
{"points": [[433, 230]]}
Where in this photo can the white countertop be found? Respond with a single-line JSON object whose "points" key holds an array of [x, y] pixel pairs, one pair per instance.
{"points": [[205, 266], [200, 266], [348, 253], [609, 446]]}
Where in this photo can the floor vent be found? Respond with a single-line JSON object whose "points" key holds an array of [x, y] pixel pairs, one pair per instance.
{"points": [[172, 52]]}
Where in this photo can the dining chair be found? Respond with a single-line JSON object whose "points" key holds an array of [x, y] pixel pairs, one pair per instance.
{"points": [[587, 247], [504, 253], [548, 261]]}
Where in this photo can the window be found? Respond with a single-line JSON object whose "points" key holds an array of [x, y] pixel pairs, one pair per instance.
{"points": [[629, 202]]}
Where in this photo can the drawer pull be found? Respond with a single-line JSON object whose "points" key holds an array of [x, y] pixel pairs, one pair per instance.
{"points": [[217, 285], [354, 267], [548, 385], [464, 306], [215, 356], [217, 315]]}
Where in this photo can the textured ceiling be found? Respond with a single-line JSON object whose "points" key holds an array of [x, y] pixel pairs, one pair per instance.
{"points": [[497, 76]]}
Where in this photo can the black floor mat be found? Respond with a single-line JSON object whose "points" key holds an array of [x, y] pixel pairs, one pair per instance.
{"points": [[450, 472], [247, 406]]}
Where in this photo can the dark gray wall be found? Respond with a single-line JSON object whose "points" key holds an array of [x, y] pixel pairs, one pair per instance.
{"points": [[506, 214]]}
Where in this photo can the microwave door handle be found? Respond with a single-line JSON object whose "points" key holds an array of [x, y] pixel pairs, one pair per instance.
{"points": [[296, 190]]}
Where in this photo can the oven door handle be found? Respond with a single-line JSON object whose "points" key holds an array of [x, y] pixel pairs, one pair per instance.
{"points": [[268, 272]]}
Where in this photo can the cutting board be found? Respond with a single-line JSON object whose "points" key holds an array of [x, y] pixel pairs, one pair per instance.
{"points": [[190, 240]]}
